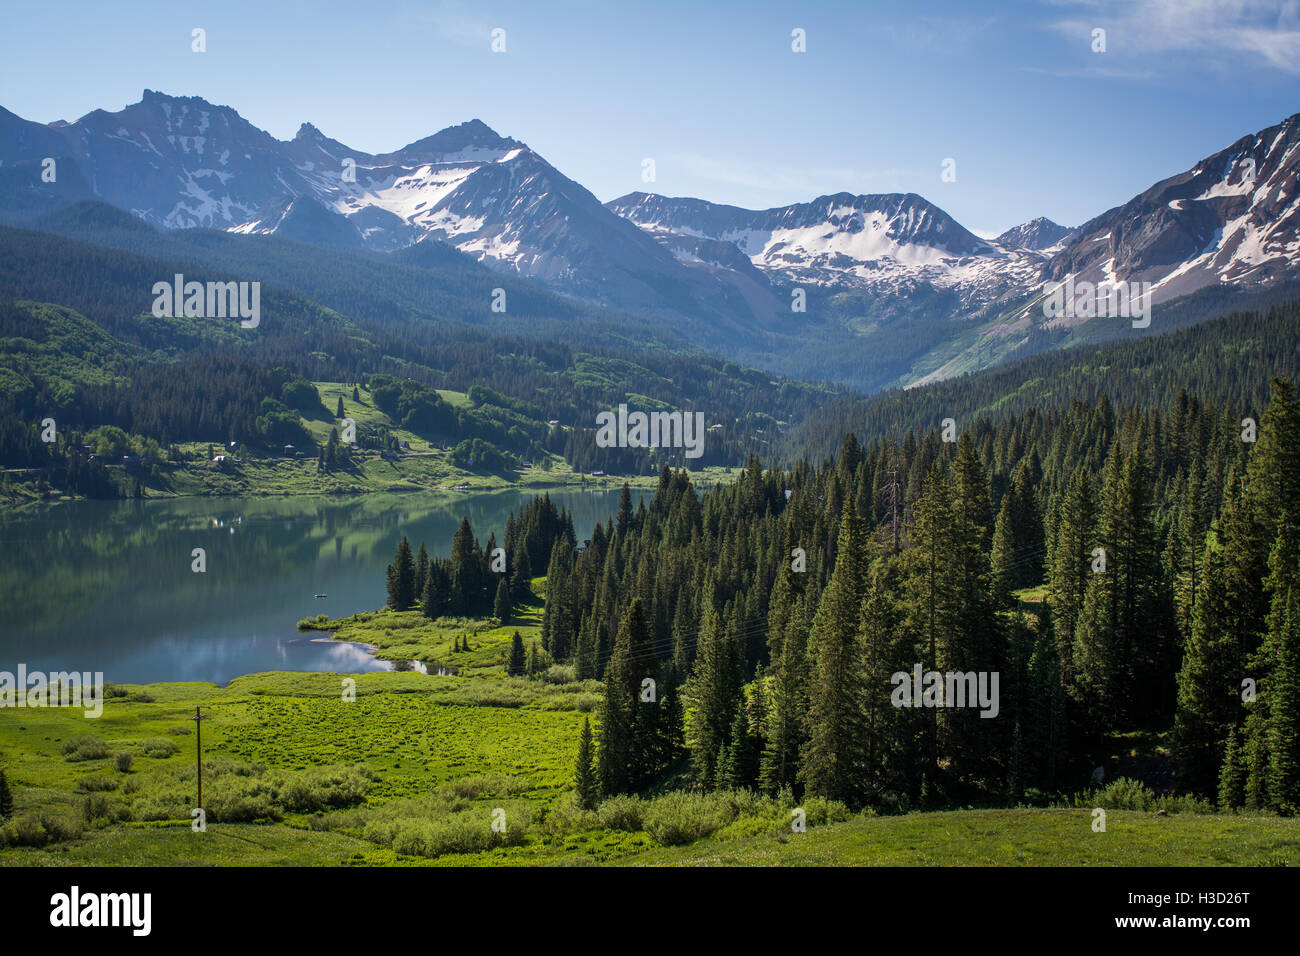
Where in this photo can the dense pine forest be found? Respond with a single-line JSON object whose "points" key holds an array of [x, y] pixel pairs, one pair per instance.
{"points": [[748, 637]]}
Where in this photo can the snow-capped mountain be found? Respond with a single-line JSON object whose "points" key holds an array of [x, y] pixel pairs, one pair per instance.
{"points": [[888, 245], [1038, 234], [720, 275], [181, 162], [1233, 218]]}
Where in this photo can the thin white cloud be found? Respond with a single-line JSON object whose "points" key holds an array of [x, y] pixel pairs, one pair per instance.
{"points": [[452, 21], [1224, 33]]}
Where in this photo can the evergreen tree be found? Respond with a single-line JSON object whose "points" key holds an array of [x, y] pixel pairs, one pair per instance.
{"points": [[1277, 708], [421, 571], [515, 666], [1005, 567], [521, 576], [781, 757], [401, 585], [1071, 566], [1208, 683], [585, 780], [717, 688], [339, 412], [624, 521], [738, 769], [1284, 709], [501, 606], [6, 798], [836, 757], [621, 760], [435, 599], [1232, 775]]}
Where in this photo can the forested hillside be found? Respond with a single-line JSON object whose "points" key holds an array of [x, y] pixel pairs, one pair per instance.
{"points": [[80, 346], [1227, 361], [777, 610]]}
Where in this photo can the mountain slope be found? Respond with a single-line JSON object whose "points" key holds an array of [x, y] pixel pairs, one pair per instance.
{"points": [[182, 163], [884, 244], [894, 290], [1037, 234], [1233, 218]]}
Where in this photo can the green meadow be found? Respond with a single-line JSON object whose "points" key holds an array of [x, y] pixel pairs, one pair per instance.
{"points": [[404, 768]]}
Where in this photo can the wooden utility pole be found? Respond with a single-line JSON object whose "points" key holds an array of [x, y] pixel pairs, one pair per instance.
{"points": [[198, 719]]}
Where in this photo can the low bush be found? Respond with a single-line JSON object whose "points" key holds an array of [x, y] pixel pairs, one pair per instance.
{"points": [[84, 748], [1124, 793], [677, 818], [159, 747], [96, 782], [621, 813]]}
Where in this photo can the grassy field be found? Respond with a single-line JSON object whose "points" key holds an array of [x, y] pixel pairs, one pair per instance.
{"points": [[410, 636], [476, 768], [416, 769]]}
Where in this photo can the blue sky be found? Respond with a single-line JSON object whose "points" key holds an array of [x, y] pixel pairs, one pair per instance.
{"points": [[1037, 122]]}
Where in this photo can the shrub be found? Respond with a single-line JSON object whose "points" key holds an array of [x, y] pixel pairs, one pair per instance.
{"points": [[567, 816], [123, 761], [621, 813], [159, 747], [677, 818], [458, 833], [1124, 793], [322, 789], [98, 807], [96, 782], [483, 785], [84, 748], [41, 827]]}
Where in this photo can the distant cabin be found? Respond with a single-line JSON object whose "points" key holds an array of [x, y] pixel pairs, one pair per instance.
{"points": [[403, 444], [290, 450], [526, 463], [219, 460], [553, 422]]}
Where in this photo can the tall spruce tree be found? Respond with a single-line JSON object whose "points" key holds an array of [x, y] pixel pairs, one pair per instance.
{"points": [[586, 783], [6, 798], [836, 756], [516, 663], [717, 688], [401, 582]]}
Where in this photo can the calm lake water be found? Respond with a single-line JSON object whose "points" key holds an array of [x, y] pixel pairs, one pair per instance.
{"points": [[108, 586]]}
